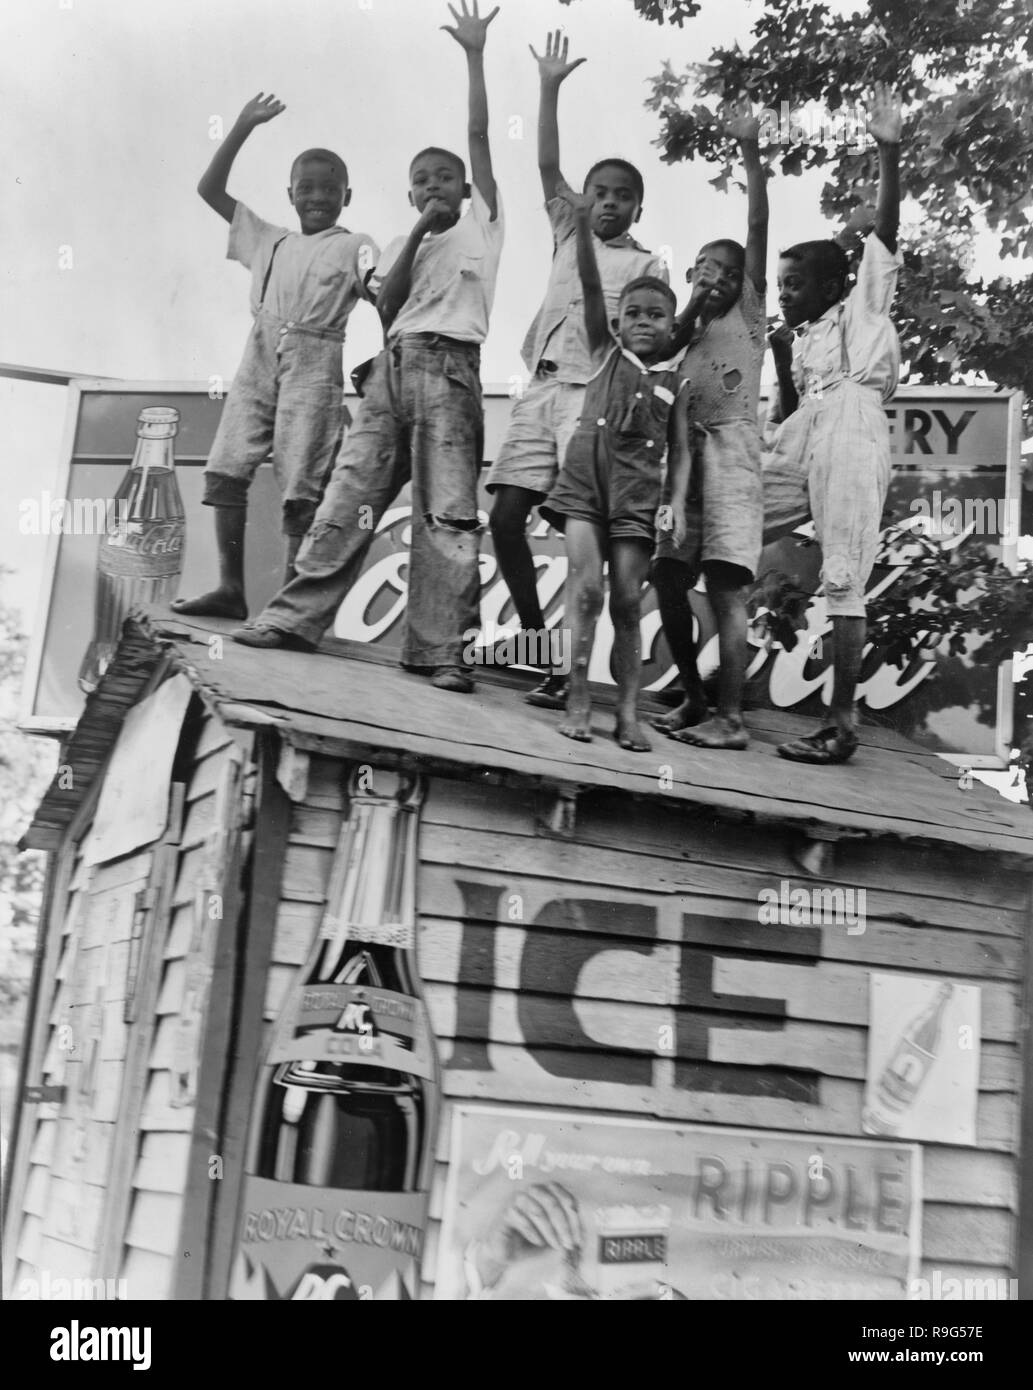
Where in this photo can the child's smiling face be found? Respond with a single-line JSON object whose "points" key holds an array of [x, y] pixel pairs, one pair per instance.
{"points": [[318, 192], [721, 269], [437, 176], [646, 322], [803, 295]]}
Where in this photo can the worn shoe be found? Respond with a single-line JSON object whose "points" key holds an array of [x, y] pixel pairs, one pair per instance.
{"points": [[452, 678], [271, 637], [551, 694]]}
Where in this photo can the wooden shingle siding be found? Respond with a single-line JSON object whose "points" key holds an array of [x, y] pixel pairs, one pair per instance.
{"points": [[158, 1180], [506, 907]]}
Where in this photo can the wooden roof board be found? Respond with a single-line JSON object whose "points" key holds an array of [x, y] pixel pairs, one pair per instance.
{"points": [[347, 696]]}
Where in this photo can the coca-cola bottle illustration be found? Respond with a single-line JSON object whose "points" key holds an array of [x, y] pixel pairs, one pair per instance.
{"points": [[909, 1065], [141, 552], [338, 1170]]}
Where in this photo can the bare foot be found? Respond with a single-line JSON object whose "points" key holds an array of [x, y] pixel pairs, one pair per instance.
{"points": [[577, 723], [220, 603], [627, 732], [718, 732], [689, 712]]}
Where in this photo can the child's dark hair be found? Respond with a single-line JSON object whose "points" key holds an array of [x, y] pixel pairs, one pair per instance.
{"points": [[327, 157], [827, 259], [651, 282], [442, 154], [725, 244], [633, 175]]}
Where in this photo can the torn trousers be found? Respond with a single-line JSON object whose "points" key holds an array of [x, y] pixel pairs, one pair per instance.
{"points": [[421, 421]]}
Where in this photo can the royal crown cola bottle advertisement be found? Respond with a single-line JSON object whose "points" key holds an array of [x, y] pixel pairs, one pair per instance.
{"points": [[344, 1121]]}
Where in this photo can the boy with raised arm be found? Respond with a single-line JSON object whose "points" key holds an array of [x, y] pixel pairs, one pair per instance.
{"points": [[287, 397], [421, 416], [720, 532], [837, 361], [606, 495], [556, 350]]}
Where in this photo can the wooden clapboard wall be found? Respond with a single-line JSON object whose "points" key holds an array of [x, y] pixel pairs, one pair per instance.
{"points": [[104, 1190], [157, 1175], [499, 984], [699, 938]]}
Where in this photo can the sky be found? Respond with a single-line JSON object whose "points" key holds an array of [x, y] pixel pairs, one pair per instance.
{"points": [[107, 130]]}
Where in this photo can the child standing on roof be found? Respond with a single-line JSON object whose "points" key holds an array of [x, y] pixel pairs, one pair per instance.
{"points": [[556, 351], [287, 398], [838, 359], [421, 416], [719, 532], [606, 495]]}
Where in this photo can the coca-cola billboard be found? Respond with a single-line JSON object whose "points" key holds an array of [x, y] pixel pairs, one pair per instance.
{"points": [[956, 480]]}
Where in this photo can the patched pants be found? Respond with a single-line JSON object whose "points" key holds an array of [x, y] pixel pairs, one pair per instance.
{"points": [[831, 461], [287, 402], [421, 420]]}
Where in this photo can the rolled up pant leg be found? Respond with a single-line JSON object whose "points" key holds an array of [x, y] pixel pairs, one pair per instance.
{"points": [[371, 468]]}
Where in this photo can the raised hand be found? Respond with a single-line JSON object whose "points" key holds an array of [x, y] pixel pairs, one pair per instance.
{"points": [[258, 110], [740, 122], [884, 120], [580, 203], [470, 30], [554, 67]]}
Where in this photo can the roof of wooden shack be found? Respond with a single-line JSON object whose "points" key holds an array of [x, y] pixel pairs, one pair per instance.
{"points": [[348, 699]]}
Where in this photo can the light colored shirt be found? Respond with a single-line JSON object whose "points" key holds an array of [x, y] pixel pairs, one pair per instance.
{"points": [[316, 280], [558, 332], [854, 339], [453, 276]]}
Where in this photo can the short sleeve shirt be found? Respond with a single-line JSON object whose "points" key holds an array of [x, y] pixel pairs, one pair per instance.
{"points": [[855, 338], [724, 360], [316, 281], [453, 276], [558, 332]]}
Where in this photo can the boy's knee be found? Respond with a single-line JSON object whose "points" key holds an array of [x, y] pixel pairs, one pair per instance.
{"points": [[223, 490], [672, 582], [508, 521], [625, 608], [589, 598]]}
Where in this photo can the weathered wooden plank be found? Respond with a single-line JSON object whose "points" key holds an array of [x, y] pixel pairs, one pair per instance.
{"points": [[296, 926], [157, 1113], [74, 1212], [208, 772], [30, 1240], [119, 873], [181, 931], [278, 982], [983, 1236], [162, 1165], [315, 825], [967, 1177], [34, 1200], [173, 983], [63, 1260], [824, 992], [44, 1140], [325, 788], [610, 821], [518, 1078], [585, 864], [200, 821], [147, 1275], [306, 870], [545, 901], [154, 1223], [213, 736]]}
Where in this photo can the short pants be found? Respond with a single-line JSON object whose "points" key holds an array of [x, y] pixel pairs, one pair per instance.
{"points": [[615, 490], [726, 500], [287, 402], [541, 426]]}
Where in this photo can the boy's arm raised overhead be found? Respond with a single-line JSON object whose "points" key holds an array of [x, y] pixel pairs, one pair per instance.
{"points": [[470, 33], [553, 69], [597, 325], [885, 125], [212, 186], [744, 126]]}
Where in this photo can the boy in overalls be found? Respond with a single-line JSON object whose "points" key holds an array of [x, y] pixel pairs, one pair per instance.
{"points": [[287, 397], [837, 361]]}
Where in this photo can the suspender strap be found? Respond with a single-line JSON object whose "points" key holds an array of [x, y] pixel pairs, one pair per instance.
{"points": [[269, 269]]}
